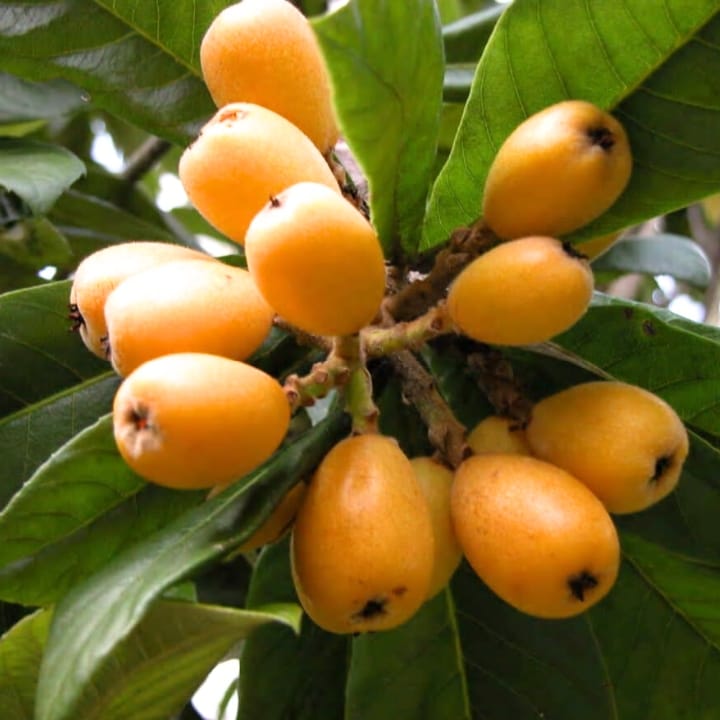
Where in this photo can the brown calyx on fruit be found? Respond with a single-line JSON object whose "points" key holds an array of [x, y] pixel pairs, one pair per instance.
{"points": [[371, 609], [602, 136], [662, 465], [139, 429], [76, 318], [581, 583], [274, 202]]}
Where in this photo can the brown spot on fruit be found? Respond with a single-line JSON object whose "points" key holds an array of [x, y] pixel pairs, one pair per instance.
{"points": [[602, 137], [399, 591], [372, 609], [580, 584]]}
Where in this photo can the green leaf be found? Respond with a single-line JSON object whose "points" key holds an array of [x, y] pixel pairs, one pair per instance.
{"points": [[39, 354], [160, 665], [385, 61], [465, 39], [20, 654], [36, 172], [30, 436], [22, 101], [657, 255], [651, 347], [34, 243], [79, 510], [284, 675], [639, 61], [658, 634], [136, 60], [81, 646], [416, 670]]}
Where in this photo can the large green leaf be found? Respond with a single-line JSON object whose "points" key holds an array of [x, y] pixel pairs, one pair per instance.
{"points": [[284, 675], [28, 437], [653, 65], [39, 354], [37, 172], [22, 101], [159, 666], [20, 654], [386, 64], [82, 644], [416, 670], [34, 244], [135, 60], [79, 510]]}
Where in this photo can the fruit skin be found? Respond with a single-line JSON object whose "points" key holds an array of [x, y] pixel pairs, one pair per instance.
{"points": [[595, 247], [192, 420], [316, 260], [244, 155], [496, 434], [520, 292], [185, 306], [557, 171], [435, 481], [265, 52], [362, 545], [615, 438], [102, 271], [534, 534]]}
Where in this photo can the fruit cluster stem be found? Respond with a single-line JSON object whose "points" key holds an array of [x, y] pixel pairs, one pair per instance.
{"points": [[445, 431]]}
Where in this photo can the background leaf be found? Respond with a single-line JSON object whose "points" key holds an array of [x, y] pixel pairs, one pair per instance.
{"points": [[142, 73], [388, 86], [20, 654], [665, 254], [37, 172], [655, 67], [22, 101]]}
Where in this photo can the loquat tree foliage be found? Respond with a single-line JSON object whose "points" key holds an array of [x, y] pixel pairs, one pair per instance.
{"points": [[118, 595]]}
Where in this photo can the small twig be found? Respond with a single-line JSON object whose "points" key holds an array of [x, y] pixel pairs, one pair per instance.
{"points": [[360, 404], [412, 335], [144, 159], [445, 431], [464, 246]]}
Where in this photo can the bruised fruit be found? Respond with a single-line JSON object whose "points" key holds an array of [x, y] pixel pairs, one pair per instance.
{"points": [[265, 52], [192, 420], [362, 544], [316, 260], [626, 444], [496, 434], [534, 534], [435, 481], [100, 273], [243, 156], [557, 171], [520, 292], [185, 306]]}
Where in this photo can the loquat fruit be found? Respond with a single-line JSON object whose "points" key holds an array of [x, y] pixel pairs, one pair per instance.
{"points": [[497, 434], [316, 260], [101, 272], [362, 544], [192, 420], [243, 156], [625, 443], [520, 292], [534, 534], [558, 170], [185, 306], [265, 52]]}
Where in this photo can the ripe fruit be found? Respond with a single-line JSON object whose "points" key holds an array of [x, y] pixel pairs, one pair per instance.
{"points": [[193, 420], [496, 434], [534, 534], [626, 444], [597, 246], [362, 545], [557, 171], [100, 273], [520, 292], [435, 481], [265, 52], [243, 156], [316, 260], [185, 306]]}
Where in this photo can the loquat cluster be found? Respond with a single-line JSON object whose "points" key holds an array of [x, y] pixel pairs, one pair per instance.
{"points": [[376, 534]]}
